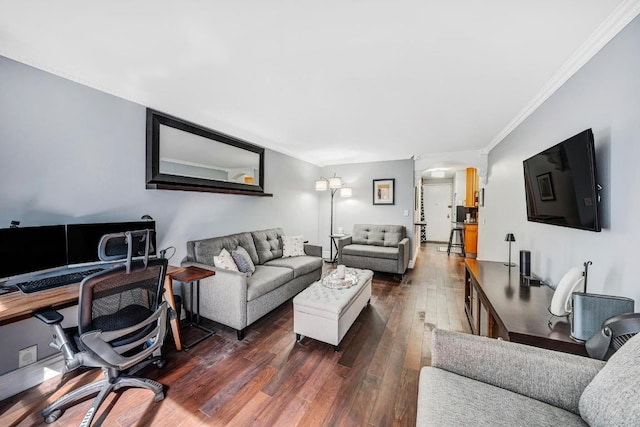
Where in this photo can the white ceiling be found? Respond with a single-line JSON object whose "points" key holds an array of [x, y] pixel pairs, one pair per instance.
{"points": [[328, 82]]}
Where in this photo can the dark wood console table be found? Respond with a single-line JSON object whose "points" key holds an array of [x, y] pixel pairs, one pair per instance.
{"points": [[498, 307]]}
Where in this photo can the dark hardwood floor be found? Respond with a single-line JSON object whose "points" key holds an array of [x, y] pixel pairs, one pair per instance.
{"points": [[268, 379]]}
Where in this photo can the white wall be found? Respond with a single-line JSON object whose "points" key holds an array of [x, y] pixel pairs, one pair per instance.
{"points": [[460, 187], [71, 154], [605, 96], [359, 209]]}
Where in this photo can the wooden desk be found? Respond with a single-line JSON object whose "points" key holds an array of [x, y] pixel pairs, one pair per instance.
{"points": [[16, 306], [498, 307]]}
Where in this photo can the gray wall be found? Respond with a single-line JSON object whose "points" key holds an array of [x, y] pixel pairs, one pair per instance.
{"points": [[605, 96], [72, 154], [359, 209]]}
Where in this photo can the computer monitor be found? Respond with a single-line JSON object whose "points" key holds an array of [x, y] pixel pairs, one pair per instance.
{"points": [[83, 239], [31, 249]]}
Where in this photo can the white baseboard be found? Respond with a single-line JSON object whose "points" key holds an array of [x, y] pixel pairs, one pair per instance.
{"points": [[22, 379]]}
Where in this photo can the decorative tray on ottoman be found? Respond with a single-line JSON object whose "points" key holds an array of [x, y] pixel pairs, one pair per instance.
{"points": [[351, 277]]}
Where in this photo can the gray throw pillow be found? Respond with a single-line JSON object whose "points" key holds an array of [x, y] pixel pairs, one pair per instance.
{"points": [[243, 260], [613, 396]]}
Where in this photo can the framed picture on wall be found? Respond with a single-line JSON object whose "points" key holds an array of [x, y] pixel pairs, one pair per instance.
{"points": [[384, 191]]}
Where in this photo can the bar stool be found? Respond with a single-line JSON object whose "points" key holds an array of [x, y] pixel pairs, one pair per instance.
{"points": [[460, 245]]}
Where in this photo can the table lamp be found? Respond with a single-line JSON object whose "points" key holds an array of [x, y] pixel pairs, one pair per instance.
{"points": [[510, 238]]}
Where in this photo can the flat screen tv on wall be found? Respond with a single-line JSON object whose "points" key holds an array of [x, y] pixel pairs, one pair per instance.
{"points": [[560, 184]]}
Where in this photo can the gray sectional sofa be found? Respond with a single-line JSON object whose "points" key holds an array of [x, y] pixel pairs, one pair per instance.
{"points": [[478, 381], [235, 300], [375, 247]]}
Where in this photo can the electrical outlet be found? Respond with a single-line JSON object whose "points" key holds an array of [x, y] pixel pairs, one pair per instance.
{"points": [[27, 356]]}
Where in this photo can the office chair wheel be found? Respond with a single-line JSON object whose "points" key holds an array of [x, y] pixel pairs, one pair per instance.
{"points": [[159, 397], [161, 363], [52, 417]]}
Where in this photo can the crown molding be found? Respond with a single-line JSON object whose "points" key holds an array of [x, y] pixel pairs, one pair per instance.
{"points": [[614, 23]]}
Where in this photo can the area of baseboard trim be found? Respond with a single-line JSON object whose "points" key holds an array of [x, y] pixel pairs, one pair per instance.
{"points": [[22, 379]]}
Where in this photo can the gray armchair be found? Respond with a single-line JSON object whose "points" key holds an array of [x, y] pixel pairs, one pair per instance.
{"points": [[481, 381], [376, 247]]}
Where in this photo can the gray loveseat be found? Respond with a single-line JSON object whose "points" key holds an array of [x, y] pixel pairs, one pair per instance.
{"points": [[235, 300], [477, 381], [375, 247]]}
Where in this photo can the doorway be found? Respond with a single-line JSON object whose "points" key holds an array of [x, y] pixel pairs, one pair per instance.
{"points": [[437, 211]]}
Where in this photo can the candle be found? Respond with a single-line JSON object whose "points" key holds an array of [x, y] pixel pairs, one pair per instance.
{"points": [[340, 271]]}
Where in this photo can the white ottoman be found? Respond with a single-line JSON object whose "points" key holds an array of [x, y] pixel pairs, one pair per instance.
{"points": [[326, 314]]}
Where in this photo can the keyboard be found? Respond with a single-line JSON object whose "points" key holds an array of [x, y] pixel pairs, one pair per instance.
{"points": [[55, 281]]}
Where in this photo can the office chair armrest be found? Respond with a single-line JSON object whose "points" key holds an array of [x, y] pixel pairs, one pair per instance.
{"points": [[60, 341], [49, 316]]}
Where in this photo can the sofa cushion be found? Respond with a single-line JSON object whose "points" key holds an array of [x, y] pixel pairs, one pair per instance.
{"points": [[613, 397], [292, 246], [225, 261], [268, 244], [371, 251], [447, 399], [265, 279], [300, 265], [378, 235], [206, 249], [243, 260]]}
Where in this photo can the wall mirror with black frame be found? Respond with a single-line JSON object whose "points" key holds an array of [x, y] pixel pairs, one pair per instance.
{"points": [[186, 156]]}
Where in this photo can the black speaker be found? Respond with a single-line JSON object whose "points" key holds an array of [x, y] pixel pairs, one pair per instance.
{"points": [[525, 263], [591, 310]]}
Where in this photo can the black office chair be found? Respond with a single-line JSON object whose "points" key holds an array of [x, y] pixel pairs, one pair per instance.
{"points": [[121, 326], [615, 331]]}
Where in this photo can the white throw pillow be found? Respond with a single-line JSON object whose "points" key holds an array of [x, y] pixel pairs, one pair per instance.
{"points": [[292, 246], [225, 260]]}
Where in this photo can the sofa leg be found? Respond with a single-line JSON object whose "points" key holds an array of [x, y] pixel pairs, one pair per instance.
{"points": [[240, 333]]}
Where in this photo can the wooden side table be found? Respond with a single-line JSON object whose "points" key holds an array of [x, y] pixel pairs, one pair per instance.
{"points": [[190, 275], [168, 296], [334, 244]]}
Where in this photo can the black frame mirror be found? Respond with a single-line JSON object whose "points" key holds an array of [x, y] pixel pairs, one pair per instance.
{"points": [[186, 156]]}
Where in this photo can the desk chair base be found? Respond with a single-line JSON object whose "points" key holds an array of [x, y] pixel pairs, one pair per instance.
{"points": [[111, 382]]}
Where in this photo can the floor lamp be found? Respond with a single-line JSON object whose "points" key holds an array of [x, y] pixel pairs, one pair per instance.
{"points": [[333, 184]]}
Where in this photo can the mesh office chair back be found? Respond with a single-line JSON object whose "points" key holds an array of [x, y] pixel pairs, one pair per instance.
{"points": [[113, 299]]}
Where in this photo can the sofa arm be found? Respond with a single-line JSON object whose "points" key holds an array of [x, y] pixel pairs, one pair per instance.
{"points": [[342, 242], [549, 376], [313, 250], [403, 255], [225, 295]]}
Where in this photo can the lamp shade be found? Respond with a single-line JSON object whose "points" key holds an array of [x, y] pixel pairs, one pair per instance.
{"points": [[322, 185], [335, 182], [509, 238], [346, 192]]}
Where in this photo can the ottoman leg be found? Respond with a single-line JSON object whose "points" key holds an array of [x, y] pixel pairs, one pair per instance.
{"points": [[336, 348], [298, 337]]}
